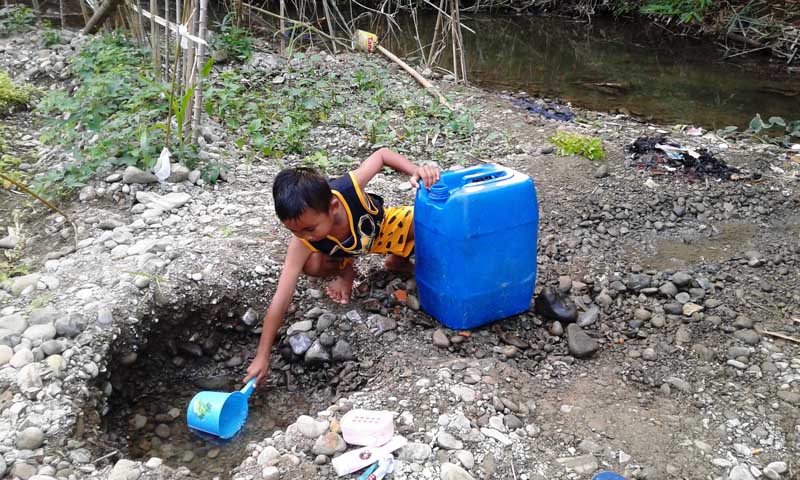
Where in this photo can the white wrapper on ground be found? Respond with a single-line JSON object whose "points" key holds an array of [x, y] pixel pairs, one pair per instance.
{"points": [[162, 169]]}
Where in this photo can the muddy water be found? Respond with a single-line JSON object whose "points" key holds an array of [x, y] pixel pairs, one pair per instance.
{"points": [[166, 435], [733, 239], [611, 66]]}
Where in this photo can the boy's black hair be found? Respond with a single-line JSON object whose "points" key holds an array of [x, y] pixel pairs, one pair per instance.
{"points": [[297, 189]]}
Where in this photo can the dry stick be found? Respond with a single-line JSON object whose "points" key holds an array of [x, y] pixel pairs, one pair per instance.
{"points": [[61, 14], [419, 78], [37, 9], [84, 11], [50, 205], [454, 7], [199, 62], [459, 40], [153, 37], [283, 25], [431, 58], [330, 21], [440, 9], [779, 335], [297, 22], [167, 38]]}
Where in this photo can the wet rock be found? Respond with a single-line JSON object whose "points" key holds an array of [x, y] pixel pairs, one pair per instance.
{"points": [[342, 351], [30, 439], [554, 306], [451, 471], [579, 343], [317, 354], [589, 317]]}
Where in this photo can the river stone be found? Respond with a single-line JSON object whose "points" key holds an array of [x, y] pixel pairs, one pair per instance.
{"points": [[52, 347], [301, 326], [270, 473], [317, 353], [415, 452], [589, 316], [750, 337], [638, 281], [451, 471], [329, 444], [6, 353], [668, 289], [162, 430], [269, 456], [125, 470], [23, 470], [743, 322], [178, 173], [40, 333], [448, 442], [170, 201], [23, 282], [300, 343], [136, 175], [579, 343], [30, 439], [342, 351], [15, 323], [582, 465], [500, 437], [43, 316], [3, 466], [57, 365], [250, 317], [70, 326], [21, 358], [681, 279], [740, 472], [325, 321], [311, 428], [789, 397], [465, 458]]}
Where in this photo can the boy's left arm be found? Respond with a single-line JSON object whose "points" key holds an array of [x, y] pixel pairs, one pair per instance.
{"points": [[387, 158]]}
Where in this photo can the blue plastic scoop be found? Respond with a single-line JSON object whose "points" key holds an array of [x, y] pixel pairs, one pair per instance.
{"points": [[219, 413]]}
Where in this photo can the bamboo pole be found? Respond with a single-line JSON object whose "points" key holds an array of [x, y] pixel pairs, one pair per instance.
{"points": [[36, 9], [84, 11], [454, 7], [199, 63], [61, 14], [155, 40], [435, 33], [283, 25], [167, 42], [330, 21]]}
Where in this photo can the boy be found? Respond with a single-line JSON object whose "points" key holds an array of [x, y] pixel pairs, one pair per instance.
{"points": [[331, 222]]}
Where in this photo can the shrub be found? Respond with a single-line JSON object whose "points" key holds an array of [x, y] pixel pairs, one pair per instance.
{"points": [[569, 143]]}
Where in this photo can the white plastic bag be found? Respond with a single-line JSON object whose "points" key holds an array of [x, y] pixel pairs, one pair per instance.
{"points": [[162, 168]]}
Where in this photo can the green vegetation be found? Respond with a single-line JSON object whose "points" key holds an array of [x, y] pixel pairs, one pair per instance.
{"points": [[16, 21], [791, 130], [12, 95], [686, 11], [51, 36], [114, 117], [569, 143], [232, 39]]}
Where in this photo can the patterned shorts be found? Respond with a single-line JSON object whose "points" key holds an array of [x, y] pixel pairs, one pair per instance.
{"points": [[393, 236]]}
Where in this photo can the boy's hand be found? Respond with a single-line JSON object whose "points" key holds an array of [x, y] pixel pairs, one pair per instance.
{"points": [[258, 369], [429, 175]]}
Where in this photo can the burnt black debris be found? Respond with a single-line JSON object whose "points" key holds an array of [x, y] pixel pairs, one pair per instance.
{"points": [[547, 109], [661, 154]]}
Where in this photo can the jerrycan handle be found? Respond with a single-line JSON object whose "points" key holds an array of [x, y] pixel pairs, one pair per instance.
{"points": [[485, 177], [248, 388]]}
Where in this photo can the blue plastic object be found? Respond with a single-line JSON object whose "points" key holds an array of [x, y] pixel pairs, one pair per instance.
{"points": [[608, 476], [475, 245], [219, 413]]}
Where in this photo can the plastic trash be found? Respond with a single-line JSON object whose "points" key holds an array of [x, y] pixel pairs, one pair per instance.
{"points": [[379, 470], [219, 413], [162, 168], [608, 476]]}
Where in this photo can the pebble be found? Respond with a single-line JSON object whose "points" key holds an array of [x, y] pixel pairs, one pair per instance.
{"points": [[440, 338], [317, 353], [750, 337], [500, 437], [311, 428], [579, 343], [588, 317], [270, 473], [582, 465], [740, 472], [448, 442], [415, 452], [30, 439], [450, 471], [269, 456], [342, 351]]}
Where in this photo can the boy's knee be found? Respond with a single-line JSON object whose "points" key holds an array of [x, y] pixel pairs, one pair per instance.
{"points": [[313, 266]]}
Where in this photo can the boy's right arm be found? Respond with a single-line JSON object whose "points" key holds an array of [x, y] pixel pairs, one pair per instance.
{"points": [[296, 257]]}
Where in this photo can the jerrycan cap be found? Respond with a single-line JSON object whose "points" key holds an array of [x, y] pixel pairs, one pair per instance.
{"points": [[439, 192]]}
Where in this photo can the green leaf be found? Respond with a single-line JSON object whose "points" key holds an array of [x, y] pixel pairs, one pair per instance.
{"points": [[207, 68]]}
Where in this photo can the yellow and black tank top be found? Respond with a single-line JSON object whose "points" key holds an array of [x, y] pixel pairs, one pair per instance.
{"points": [[365, 214]]}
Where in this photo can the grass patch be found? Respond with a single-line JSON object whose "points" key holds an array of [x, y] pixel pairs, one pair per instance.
{"points": [[568, 143], [14, 95], [16, 21]]}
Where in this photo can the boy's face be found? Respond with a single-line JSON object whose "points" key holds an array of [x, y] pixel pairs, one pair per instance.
{"points": [[312, 225]]}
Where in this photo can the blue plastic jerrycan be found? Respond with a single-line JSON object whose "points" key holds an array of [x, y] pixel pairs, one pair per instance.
{"points": [[475, 245], [219, 413]]}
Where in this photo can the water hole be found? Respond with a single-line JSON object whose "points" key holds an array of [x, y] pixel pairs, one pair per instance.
{"points": [[160, 365]]}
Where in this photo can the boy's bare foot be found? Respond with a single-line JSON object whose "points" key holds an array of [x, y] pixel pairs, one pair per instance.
{"points": [[341, 287], [394, 263]]}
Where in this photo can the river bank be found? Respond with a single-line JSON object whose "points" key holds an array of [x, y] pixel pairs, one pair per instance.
{"points": [[677, 277]]}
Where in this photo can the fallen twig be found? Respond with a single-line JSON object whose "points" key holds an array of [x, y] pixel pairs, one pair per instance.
{"points": [[108, 455], [779, 335]]}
